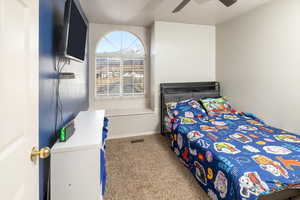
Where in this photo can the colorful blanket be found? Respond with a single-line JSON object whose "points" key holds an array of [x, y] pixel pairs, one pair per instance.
{"points": [[235, 156]]}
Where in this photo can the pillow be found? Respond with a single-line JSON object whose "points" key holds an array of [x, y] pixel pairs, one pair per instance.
{"points": [[215, 106], [189, 108]]}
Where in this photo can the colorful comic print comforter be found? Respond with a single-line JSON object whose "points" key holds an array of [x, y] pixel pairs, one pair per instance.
{"points": [[234, 156]]}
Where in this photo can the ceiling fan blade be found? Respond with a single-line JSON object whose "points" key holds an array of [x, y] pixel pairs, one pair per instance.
{"points": [[181, 5], [228, 3]]}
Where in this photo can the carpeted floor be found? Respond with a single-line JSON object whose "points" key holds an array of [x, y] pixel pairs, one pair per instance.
{"points": [[147, 171]]}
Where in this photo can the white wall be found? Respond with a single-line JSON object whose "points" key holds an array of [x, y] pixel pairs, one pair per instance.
{"points": [[258, 62], [182, 53], [179, 53]]}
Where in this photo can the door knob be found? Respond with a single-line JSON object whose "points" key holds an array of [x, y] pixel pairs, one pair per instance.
{"points": [[42, 153]]}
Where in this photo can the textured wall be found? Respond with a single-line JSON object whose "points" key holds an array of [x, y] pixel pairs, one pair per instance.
{"points": [[74, 93]]}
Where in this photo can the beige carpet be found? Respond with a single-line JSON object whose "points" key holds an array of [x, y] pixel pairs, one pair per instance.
{"points": [[147, 171]]}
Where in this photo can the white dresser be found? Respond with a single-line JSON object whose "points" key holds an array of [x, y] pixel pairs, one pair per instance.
{"points": [[75, 164]]}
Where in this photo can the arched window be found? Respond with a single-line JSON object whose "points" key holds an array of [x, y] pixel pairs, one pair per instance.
{"points": [[120, 63]]}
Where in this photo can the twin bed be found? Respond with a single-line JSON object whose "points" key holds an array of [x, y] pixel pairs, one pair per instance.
{"points": [[233, 156]]}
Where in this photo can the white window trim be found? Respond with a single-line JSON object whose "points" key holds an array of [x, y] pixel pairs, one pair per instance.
{"points": [[144, 105]]}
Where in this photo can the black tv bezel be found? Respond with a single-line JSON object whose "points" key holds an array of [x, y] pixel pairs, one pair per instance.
{"points": [[67, 16]]}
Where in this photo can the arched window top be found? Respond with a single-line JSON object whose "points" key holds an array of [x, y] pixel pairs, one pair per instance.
{"points": [[120, 44]]}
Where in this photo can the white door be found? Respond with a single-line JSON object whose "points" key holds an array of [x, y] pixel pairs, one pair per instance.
{"points": [[18, 98]]}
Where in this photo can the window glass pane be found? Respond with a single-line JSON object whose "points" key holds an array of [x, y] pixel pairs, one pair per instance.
{"points": [[101, 90], [138, 71], [110, 43], [114, 62], [114, 76], [128, 89], [139, 76], [133, 74], [101, 61], [128, 76], [120, 65], [114, 89], [102, 77], [139, 88]]}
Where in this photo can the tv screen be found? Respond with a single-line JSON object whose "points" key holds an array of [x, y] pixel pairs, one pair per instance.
{"points": [[76, 32]]}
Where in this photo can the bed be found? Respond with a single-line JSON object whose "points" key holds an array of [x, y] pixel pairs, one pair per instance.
{"points": [[231, 155]]}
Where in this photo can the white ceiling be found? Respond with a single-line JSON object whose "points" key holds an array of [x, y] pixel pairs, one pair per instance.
{"points": [[145, 12]]}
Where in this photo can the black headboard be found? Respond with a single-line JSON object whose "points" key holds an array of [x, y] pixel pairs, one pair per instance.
{"points": [[174, 92]]}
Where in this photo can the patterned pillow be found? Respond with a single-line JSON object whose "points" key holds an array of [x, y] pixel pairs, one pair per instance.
{"points": [[189, 108], [215, 106]]}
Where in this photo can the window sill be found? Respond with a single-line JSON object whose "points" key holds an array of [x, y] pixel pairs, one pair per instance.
{"points": [[107, 98], [128, 112]]}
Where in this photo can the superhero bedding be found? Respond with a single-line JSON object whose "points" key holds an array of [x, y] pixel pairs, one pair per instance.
{"points": [[233, 155]]}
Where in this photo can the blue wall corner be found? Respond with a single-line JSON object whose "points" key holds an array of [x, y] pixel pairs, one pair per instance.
{"points": [[74, 93]]}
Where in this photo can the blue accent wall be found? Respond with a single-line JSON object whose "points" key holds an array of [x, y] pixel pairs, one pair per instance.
{"points": [[74, 93]]}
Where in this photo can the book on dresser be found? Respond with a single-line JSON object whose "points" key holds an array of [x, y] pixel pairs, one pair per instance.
{"points": [[76, 163]]}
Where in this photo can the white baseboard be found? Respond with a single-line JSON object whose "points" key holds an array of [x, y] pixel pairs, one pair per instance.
{"points": [[131, 135]]}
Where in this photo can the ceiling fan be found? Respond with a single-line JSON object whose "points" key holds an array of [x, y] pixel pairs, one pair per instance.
{"points": [[227, 3]]}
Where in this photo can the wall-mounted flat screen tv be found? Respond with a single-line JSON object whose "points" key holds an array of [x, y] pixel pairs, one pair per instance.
{"points": [[75, 31]]}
